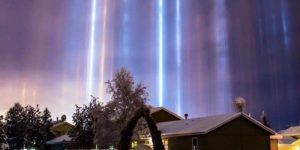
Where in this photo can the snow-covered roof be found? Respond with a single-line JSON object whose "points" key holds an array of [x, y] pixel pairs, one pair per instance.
{"points": [[61, 139], [203, 125], [291, 131], [156, 109], [287, 140]]}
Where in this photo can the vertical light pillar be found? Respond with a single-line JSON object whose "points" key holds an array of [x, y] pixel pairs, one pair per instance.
{"points": [[160, 52], [222, 57], [91, 51], [103, 50], [125, 32], [178, 55]]}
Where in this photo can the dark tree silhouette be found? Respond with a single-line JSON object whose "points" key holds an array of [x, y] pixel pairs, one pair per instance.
{"points": [[15, 126], [25, 127], [3, 137], [35, 133], [47, 123], [126, 98], [264, 120], [83, 133], [126, 135]]}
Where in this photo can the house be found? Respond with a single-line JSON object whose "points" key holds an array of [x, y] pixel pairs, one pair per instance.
{"points": [[289, 143], [291, 139], [227, 132], [159, 114], [60, 130]]}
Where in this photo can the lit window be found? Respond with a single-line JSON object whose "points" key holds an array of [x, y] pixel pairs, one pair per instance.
{"points": [[166, 144], [149, 143], [133, 144]]}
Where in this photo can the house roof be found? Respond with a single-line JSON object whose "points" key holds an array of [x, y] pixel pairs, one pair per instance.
{"points": [[62, 123], [59, 125], [157, 109], [59, 140], [291, 131], [287, 140], [203, 125]]}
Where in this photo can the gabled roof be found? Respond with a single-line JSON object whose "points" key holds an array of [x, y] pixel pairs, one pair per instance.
{"points": [[62, 123], [157, 109], [203, 125], [59, 140]]}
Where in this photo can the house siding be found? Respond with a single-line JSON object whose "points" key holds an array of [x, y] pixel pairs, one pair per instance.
{"points": [[239, 134]]}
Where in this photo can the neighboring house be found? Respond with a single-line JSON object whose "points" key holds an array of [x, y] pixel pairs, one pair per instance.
{"points": [[161, 114], [289, 143], [293, 131], [227, 132], [60, 130], [291, 139]]}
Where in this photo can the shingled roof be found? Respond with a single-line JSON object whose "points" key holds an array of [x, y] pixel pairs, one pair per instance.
{"points": [[203, 125]]}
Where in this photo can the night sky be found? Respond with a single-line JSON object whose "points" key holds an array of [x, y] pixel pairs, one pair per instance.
{"points": [[194, 56]]}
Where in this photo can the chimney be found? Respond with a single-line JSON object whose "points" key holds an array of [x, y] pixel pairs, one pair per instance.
{"points": [[186, 116]]}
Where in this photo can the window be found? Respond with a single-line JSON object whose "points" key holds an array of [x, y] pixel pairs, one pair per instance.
{"points": [[194, 143], [134, 144], [148, 142], [166, 144]]}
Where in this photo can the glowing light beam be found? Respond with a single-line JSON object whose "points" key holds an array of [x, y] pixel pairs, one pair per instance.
{"points": [[91, 54], [102, 51], [125, 29], [178, 55], [284, 22], [221, 39], [160, 53]]}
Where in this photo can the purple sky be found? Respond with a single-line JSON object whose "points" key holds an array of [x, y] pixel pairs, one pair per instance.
{"points": [[199, 57]]}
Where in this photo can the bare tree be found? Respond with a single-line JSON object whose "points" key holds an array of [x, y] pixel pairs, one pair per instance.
{"points": [[126, 98]]}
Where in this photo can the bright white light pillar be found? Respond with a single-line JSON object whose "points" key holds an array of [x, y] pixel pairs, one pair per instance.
{"points": [[160, 53], [178, 55], [91, 51]]}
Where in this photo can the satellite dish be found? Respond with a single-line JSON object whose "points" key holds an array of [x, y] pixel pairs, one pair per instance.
{"points": [[240, 103], [63, 118]]}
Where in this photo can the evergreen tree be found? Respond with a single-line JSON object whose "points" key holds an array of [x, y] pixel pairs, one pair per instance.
{"points": [[25, 127], [83, 134], [264, 120], [16, 126], [3, 137], [35, 133], [47, 124]]}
